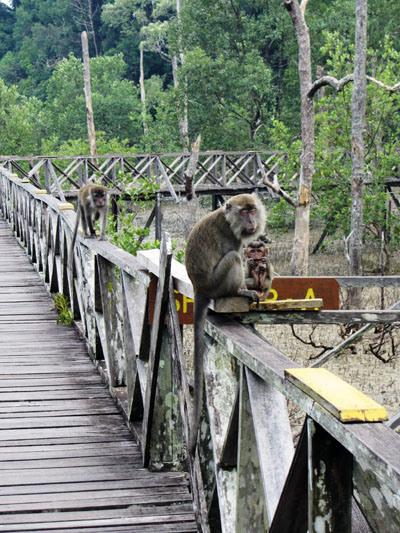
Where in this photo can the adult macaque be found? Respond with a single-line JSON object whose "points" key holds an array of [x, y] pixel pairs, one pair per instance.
{"points": [[92, 206], [258, 267], [215, 268]]}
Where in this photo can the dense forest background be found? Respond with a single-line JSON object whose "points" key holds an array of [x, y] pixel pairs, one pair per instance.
{"points": [[228, 66]]}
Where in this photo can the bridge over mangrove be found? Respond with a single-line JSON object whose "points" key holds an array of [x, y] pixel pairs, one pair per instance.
{"points": [[95, 419]]}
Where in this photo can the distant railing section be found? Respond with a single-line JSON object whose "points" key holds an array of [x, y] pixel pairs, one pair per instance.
{"points": [[245, 475], [214, 170]]}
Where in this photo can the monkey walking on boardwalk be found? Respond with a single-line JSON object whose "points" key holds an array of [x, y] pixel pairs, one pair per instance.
{"points": [[215, 267], [92, 206]]}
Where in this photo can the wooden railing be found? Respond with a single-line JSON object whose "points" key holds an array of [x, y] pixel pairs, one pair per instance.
{"points": [[214, 170], [245, 475]]}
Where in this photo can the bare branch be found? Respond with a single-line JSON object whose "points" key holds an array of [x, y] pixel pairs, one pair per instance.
{"points": [[385, 348], [339, 84], [311, 341], [389, 88], [273, 186], [331, 81]]}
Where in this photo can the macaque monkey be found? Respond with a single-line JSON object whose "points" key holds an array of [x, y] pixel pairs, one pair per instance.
{"points": [[258, 268], [92, 206], [215, 267]]}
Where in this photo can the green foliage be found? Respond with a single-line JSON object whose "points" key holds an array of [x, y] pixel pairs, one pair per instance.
{"points": [[65, 316], [331, 206], [7, 19], [73, 147], [22, 122], [281, 214], [333, 139], [129, 235], [115, 100], [237, 65], [178, 252]]}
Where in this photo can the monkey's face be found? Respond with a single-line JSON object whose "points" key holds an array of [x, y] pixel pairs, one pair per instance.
{"points": [[249, 221], [99, 198], [245, 215], [256, 250]]}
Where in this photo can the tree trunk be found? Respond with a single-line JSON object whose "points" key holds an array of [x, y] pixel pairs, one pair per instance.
{"points": [[358, 106], [299, 260], [91, 22], [143, 91], [88, 96], [182, 106]]}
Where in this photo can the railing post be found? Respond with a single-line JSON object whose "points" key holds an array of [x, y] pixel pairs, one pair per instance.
{"points": [[330, 472], [158, 215]]}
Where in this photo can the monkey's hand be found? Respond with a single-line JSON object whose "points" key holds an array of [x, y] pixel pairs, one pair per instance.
{"points": [[252, 295]]}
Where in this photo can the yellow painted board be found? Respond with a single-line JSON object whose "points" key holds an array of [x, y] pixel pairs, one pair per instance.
{"points": [[288, 305], [344, 401]]}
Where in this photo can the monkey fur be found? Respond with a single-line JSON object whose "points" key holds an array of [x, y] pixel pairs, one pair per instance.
{"points": [[215, 267], [92, 206], [258, 267]]}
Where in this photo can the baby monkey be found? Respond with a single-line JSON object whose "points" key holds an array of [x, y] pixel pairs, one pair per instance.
{"points": [[258, 267], [215, 267], [92, 206]]}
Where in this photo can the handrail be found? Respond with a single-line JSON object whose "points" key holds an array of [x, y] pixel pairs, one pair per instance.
{"points": [[245, 475]]}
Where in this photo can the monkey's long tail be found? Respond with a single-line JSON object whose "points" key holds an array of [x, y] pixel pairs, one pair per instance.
{"points": [[200, 313]]}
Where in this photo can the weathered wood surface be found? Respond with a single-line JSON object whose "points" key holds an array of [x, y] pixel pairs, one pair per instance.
{"points": [[67, 461], [238, 484], [240, 304], [322, 317], [375, 447], [330, 487], [228, 171]]}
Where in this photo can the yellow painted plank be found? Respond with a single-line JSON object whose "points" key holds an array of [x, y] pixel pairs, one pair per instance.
{"points": [[290, 304], [341, 399], [241, 304]]}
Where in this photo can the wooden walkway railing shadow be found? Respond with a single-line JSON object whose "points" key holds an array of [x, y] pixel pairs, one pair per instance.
{"points": [[245, 476], [67, 460]]}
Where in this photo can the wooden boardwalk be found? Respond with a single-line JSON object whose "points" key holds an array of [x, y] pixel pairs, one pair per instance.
{"points": [[68, 463]]}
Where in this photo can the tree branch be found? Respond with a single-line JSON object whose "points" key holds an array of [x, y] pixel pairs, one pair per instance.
{"points": [[339, 84], [311, 341], [389, 88], [331, 81], [276, 188]]}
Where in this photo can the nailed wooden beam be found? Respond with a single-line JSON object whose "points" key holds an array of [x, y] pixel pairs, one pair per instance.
{"points": [[330, 488], [292, 511], [160, 311], [273, 438], [373, 444], [321, 317]]}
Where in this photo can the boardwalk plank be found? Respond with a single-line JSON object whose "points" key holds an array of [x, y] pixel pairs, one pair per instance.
{"points": [[67, 461], [171, 480]]}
